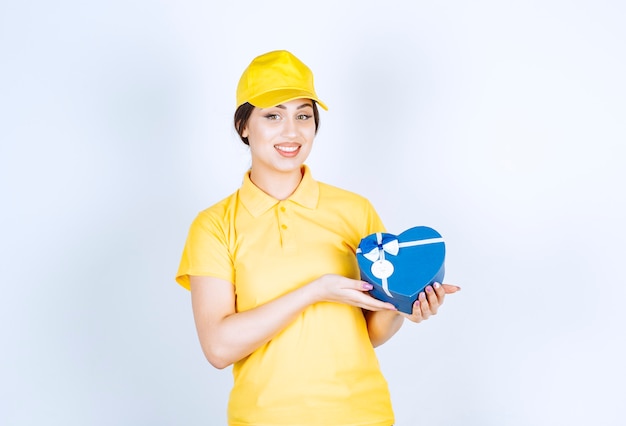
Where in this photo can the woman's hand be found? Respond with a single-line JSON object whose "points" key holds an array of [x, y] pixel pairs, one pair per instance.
{"points": [[430, 300], [381, 326], [335, 288]]}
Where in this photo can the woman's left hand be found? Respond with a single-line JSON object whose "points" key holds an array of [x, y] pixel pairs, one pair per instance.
{"points": [[429, 301]]}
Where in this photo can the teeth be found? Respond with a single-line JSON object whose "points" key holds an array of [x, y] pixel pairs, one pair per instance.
{"points": [[287, 148]]}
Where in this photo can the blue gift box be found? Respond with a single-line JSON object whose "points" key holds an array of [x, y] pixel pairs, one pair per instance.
{"points": [[401, 266]]}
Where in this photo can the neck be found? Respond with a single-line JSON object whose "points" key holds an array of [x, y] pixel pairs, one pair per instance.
{"points": [[279, 185]]}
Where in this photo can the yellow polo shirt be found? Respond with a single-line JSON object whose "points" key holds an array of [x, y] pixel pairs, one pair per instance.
{"points": [[322, 368]]}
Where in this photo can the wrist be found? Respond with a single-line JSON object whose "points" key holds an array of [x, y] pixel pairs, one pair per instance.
{"points": [[313, 291]]}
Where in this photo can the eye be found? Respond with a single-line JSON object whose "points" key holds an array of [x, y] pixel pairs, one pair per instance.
{"points": [[304, 116], [272, 116]]}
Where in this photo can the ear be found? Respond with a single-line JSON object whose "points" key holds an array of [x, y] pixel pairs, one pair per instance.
{"points": [[244, 132]]}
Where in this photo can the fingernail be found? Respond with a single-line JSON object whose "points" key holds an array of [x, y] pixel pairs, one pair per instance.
{"points": [[429, 289], [417, 303], [367, 286], [437, 285]]}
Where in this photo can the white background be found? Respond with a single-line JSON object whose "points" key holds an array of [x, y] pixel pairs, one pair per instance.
{"points": [[500, 124]]}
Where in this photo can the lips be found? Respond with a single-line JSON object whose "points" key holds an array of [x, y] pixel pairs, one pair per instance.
{"points": [[288, 150]]}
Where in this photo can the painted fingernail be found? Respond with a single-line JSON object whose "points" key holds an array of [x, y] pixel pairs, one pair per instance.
{"points": [[429, 289], [437, 285], [367, 286]]}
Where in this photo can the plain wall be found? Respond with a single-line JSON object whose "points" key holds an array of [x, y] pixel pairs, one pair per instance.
{"points": [[500, 124]]}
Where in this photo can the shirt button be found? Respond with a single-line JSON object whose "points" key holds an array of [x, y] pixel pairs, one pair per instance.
{"points": [[282, 209], [283, 226]]}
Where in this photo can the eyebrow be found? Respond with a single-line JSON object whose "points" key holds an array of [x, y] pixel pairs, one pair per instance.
{"points": [[300, 107]]}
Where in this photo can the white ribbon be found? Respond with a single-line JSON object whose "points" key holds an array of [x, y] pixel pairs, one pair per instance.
{"points": [[378, 255], [420, 242]]}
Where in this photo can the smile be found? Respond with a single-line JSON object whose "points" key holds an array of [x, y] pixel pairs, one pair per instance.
{"points": [[287, 149]]}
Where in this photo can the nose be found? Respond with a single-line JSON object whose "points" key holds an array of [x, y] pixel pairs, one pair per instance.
{"points": [[289, 127]]}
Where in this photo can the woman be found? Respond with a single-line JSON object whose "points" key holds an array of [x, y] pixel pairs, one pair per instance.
{"points": [[273, 273]]}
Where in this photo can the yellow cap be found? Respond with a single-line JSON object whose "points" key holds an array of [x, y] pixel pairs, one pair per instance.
{"points": [[276, 77]]}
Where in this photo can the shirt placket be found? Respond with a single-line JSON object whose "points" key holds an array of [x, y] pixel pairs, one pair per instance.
{"points": [[285, 227]]}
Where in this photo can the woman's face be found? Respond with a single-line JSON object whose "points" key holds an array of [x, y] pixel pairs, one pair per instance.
{"points": [[280, 137]]}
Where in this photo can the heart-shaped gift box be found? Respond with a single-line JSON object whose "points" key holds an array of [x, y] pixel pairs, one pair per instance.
{"points": [[401, 266]]}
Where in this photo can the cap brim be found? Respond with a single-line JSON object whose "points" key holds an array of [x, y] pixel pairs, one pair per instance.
{"points": [[277, 97]]}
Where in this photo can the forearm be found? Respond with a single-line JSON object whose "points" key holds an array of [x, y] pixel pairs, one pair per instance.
{"points": [[237, 335], [382, 325], [226, 336]]}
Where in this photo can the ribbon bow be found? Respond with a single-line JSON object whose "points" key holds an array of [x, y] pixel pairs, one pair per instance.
{"points": [[374, 251]]}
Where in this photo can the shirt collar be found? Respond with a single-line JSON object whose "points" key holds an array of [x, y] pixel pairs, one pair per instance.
{"points": [[258, 202]]}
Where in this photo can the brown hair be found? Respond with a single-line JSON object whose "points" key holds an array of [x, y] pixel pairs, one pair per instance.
{"points": [[242, 115]]}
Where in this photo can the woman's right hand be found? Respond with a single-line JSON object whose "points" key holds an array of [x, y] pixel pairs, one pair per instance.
{"points": [[336, 288]]}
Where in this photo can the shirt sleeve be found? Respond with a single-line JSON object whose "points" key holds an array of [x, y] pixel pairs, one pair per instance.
{"points": [[373, 222], [206, 251]]}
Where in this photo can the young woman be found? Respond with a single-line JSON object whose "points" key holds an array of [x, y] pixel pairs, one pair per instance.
{"points": [[273, 273]]}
